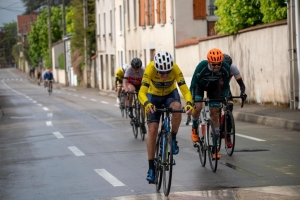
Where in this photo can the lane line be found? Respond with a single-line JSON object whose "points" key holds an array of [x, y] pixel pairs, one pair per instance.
{"points": [[93, 100], [49, 114], [104, 102], [45, 108], [83, 97], [58, 135], [76, 151], [110, 178], [249, 137], [49, 123], [40, 104]]}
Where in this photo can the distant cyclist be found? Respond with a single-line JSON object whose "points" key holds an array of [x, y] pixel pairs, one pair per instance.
{"points": [[48, 76], [132, 81], [119, 80], [159, 87]]}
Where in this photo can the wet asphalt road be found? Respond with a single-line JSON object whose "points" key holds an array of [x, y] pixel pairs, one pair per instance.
{"points": [[76, 146]]}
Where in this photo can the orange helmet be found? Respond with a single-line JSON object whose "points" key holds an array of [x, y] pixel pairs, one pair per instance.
{"points": [[215, 55]]}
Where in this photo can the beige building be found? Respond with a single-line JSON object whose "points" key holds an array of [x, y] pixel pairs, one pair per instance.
{"points": [[140, 28]]}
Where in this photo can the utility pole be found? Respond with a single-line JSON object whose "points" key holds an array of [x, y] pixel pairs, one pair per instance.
{"points": [[49, 33], [64, 34], [86, 45]]}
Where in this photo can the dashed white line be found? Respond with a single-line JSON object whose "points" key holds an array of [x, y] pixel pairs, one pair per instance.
{"points": [[58, 135], [49, 114], [249, 137], [76, 151], [34, 101], [45, 108], [49, 123], [40, 104], [83, 97], [110, 178], [93, 100], [104, 102]]}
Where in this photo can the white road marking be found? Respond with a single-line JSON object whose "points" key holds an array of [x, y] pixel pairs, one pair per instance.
{"points": [[40, 104], [45, 108], [104, 102], [75, 95], [49, 123], [110, 178], [249, 137], [49, 114], [117, 105], [58, 135], [93, 100], [24, 117], [76, 151], [34, 101], [83, 97]]}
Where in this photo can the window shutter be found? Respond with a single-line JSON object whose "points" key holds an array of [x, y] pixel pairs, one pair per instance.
{"points": [[163, 12], [152, 12], [199, 7], [158, 11], [147, 13], [142, 13]]}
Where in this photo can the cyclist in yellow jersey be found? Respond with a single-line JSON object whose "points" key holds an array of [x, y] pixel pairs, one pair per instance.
{"points": [[159, 88], [119, 80]]}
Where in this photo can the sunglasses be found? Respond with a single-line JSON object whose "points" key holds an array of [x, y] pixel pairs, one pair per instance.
{"points": [[216, 64], [164, 72]]}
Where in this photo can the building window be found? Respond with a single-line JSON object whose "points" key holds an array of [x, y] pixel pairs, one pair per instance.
{"points": [[120, 9], [134, 11], [111, 24], [199, 8], [211, 7], [161, 11]]}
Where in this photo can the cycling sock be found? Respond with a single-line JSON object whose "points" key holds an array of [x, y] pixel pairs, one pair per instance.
{"points": [[174, 136], [151, 164], [195, 123]]}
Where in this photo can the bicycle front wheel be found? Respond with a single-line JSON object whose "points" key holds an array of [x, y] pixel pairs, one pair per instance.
{"points": [[167, 163], [202, 151], [229, 133], [122, 104], [158, 165], [212, 147]]}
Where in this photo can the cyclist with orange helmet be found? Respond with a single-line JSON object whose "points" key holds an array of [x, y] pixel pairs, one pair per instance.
{"points": [[207, 78]]}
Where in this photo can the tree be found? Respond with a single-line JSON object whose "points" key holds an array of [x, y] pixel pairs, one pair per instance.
{"points": [[38, 37], [7, 40], [36, 5], [238, 14]]}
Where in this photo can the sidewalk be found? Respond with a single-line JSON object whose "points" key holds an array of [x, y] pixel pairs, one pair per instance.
{"points": [[274, 116]]}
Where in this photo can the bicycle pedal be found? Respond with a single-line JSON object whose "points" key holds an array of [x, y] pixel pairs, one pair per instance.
{"points": [[196, 145]]}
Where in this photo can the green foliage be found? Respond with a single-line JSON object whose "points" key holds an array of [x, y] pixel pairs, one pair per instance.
{"points": [[235, 15], [38, 37], [35, 5], [61, 61], [238, 14], [273, 10], [8, 40]]}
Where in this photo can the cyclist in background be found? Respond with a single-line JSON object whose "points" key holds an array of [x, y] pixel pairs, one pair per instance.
{"points": [[236, 73], [119, 80], [159, 88], [207, 78], [48, 76], [132, 81]]}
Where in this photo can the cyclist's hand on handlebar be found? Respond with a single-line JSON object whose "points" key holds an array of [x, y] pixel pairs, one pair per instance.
{"points": [[189, 109], [149, 107], [243, 96]]}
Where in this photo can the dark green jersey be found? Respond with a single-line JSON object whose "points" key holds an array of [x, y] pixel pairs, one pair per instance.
{"points": [[204, 77]]}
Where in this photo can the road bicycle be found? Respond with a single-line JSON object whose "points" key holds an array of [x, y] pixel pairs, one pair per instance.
{"points": [[227, 127], [207, 140], [163, 160], [48, 85], [138, 120]]}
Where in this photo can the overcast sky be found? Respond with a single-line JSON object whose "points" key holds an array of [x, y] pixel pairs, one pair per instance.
{"points": [[9, 10]]}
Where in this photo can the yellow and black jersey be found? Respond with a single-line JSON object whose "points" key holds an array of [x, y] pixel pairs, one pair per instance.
{"points": [[119, 76], [153, 84]]}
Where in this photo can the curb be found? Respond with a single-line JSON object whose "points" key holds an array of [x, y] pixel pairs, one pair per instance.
{"points": [[268, 121]]}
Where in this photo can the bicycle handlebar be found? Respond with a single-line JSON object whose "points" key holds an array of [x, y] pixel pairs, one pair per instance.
{"points": [[239, 97], [171, 110]]}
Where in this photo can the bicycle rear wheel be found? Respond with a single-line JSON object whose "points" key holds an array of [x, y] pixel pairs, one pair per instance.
{"points": [[122, 104], [142, 123], [212, 146], [229, 132], [167, 162], [157, 162], [202, 151]]}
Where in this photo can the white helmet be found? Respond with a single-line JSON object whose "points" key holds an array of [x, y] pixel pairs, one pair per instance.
{"points": [[163, 61], [124, 66]]}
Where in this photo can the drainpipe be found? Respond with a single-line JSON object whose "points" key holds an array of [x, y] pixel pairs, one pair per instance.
{"points": [[173, 23], [297, 45], [124, 9], [291, 48]]}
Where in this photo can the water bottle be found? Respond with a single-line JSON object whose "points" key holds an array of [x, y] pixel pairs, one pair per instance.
{"points": [[203, 129]]}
